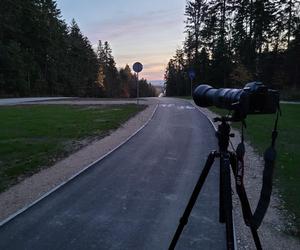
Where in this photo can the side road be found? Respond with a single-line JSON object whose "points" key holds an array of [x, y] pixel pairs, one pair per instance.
{"points": [[34, 187], [14, 101]]}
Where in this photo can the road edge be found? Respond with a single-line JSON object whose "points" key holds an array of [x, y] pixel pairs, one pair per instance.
{"points": [[22, 210]]}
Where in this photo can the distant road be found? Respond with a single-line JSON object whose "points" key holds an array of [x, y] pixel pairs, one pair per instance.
{"points": [[134, 198], [14, 101], [288, 102]]}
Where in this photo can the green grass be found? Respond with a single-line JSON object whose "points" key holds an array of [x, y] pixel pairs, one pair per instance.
{"points": [[290, 94], [287, 173], [33, 137], [188, 97]]}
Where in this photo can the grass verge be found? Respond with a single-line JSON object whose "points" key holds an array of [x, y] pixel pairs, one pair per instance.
{"points": [[287, 172], [188, 97], [33, 137]]}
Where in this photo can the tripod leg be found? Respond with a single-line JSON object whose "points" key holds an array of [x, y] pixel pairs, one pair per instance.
{"points": [[247, 214], [221, 196], [225, 168], [193, 198]]}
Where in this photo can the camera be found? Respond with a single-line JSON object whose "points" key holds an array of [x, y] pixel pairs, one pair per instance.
{"points": [[254, 98]]}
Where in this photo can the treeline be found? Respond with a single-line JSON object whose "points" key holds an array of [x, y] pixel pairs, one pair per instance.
{"points": [[41, 55], [231, 42], [118, 83]]}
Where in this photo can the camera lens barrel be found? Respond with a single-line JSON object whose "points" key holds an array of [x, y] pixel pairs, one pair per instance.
{"points": [[254, 98], [205, 96]]}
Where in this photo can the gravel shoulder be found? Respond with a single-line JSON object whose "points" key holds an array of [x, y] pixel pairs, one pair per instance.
{"points": [[277, 220], [34, 187]]}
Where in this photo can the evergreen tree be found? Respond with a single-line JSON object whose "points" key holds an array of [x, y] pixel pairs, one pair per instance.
{"points": [[112, 83], [293, 58], [83, 65], [146, 89], [170, 79], [239, 41], [40, 55], [242, 42], [176, 82], [127, 81], [196, 14]]}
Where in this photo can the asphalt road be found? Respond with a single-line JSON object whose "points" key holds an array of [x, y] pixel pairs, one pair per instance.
{"points": [[14, 101], [134, 198]]}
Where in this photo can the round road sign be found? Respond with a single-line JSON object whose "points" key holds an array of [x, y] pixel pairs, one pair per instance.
{"points": [[137, 67], [192, 74]]}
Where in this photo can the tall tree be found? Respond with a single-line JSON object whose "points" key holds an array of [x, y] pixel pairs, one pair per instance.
{"points": [[83, 65], [112, 83], [195, 12], [127, 81], [176, 81], [221, 53], [39, 54]]}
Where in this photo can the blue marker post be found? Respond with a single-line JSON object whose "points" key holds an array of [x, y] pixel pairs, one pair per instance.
{"points": [[192, 75]]}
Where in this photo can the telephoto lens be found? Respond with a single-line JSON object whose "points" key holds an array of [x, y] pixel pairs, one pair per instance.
{"points": [[205, 96], [254, 98]]}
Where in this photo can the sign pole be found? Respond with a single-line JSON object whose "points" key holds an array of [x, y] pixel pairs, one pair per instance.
{"points": [[137, 89], [192, 75], [137, 67], [191, 87]]}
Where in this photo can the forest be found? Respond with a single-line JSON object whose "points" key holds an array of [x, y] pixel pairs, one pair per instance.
{"points": [[41, 55], [231, 42]]}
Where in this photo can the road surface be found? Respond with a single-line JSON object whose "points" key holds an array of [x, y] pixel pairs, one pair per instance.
{"points": [[134, 198], [14, 101]]}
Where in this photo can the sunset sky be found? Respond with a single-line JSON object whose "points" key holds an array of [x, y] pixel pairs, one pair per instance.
{"points": [[137, 30]]}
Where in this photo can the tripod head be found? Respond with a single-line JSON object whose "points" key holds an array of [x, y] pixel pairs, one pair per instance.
{"points": [[223, 133]]}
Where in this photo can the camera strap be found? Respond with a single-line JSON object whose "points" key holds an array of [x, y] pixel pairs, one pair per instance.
{"points": [[239, 180], [266, 191], [256, 219]]}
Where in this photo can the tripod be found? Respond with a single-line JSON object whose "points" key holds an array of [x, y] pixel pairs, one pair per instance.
{"points": [[227, 159]]}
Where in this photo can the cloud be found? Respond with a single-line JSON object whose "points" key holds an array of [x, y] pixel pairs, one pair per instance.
{"points": [[151, 38], [133, 26], [154, 71], [154, 66]]}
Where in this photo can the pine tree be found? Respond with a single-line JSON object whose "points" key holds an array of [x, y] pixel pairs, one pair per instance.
{"points": [[38, 51], [240, 41], [126, 79], [293, 58], [195, 12], [221, 53], [112, 83], [176, 81], [170, 79], [83, 65]]}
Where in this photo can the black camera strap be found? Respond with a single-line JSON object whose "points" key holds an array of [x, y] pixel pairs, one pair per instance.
{"points": [[256, 219], [239, 179], [266, 191]]}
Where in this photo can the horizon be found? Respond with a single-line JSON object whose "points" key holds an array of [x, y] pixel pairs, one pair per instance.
{"points": [[131, 35]]}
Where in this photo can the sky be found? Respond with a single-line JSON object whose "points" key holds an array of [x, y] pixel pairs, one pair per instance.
{"points": [[148, 31]]}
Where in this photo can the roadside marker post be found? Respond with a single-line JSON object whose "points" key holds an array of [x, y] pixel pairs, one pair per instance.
{"points": [[192, 75]]}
